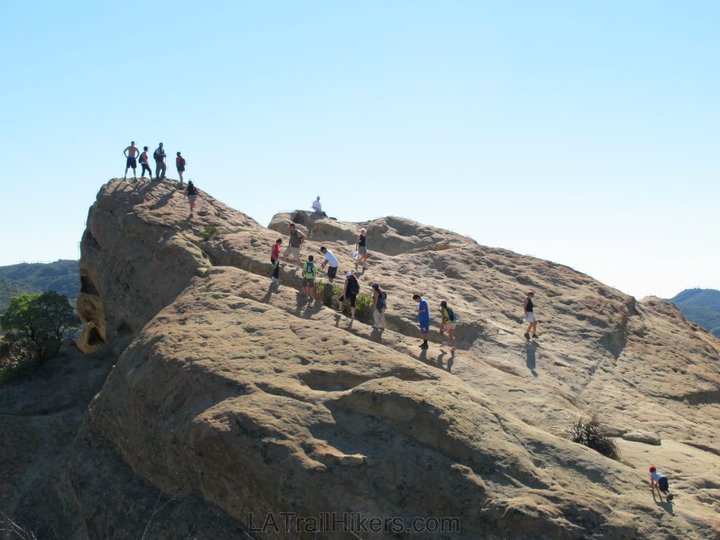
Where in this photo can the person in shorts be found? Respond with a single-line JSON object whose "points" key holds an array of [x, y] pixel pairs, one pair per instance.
{"points": [[160, 167], [131, 153], [275, 262], [361, 248], [530, 318], [309, 271], [180, 164], [331, 262], [191, 195], [350, 292], [447, 324], [144, 162], [423, 318], [660, 482], [296, 240]]}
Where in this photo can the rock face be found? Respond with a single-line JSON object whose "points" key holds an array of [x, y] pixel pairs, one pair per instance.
{"points": [[239, 401]]}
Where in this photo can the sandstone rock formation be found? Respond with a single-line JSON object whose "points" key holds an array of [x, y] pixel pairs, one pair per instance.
{"points": [[237, 399]]}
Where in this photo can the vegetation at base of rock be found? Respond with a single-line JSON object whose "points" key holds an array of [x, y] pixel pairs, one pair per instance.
{"points": [[60, 276], [701, 306], [209, 232], [591, 432], [363, 303], [34, 327]]}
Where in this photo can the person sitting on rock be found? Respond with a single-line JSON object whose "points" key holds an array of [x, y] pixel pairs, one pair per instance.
{"points": [[350, 292], [530, 317], [317, 208], [296, 240], [309, 270], [331, 260], [275, 262], [423, 318], [379, 306], [660, 482], [447, 324]]}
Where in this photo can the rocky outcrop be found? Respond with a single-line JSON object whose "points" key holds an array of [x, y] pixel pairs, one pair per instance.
{"points": [[235, 399]]}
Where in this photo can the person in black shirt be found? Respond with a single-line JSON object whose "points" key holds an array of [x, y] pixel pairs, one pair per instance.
{"points": [[530, 317]]}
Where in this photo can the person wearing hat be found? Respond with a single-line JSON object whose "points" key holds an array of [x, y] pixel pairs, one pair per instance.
{"points": [[350, 292], [660, 482], [379, 306]]}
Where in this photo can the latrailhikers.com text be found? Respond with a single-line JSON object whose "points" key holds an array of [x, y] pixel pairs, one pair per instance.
{"points": [[348, 522]]}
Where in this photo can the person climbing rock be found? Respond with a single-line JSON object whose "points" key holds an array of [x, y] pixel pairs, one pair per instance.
{"points": [[660, 482], [144, 162], [423, 318], [361, 248], [447, 324], [131, 153], [160, 167], [309, 271], [296, 240], [180, 164], [379, 306], [331, 262], [530, 317], [275, 262], [350, 292]]}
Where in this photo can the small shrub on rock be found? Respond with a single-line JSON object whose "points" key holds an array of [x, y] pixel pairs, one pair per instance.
{"points": [[363, 302], [591, 432], [209, 232]]}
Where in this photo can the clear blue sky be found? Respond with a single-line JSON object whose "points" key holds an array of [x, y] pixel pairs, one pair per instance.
{"points": [[583, 132]]}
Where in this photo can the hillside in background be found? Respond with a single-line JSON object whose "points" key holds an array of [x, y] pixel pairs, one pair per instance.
{"points": [[701, 306], [59, 276]]}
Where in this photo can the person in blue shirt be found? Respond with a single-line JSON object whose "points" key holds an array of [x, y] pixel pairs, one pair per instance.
{"points": [[423, 318]]}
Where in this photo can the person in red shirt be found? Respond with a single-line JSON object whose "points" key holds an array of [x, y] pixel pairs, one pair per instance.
{"points": [[275, 261]]}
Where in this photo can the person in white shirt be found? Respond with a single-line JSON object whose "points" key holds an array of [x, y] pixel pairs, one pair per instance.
{"points": [[331, 260], [317, 207], [660, 482]]}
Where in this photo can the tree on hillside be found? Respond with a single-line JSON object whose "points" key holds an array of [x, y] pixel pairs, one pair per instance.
{"points": [[35, 324]]}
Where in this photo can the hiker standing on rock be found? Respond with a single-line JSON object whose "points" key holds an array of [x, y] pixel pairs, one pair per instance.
{"points": [[180, 164], [296, 240], [379, 306], [350, 292], [331, 260], [191, 195], [144, 162], [423, 318], [530, 317], [159, 156], [131, 159], [361, 248], [309, 270], [275, 262], [447, 324], [660, 482]]}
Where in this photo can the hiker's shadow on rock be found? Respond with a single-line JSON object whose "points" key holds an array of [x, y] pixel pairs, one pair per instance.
{"points": [[667, 506], [337, 319], [530, 357], [301, 300], [376, 335], [268, 294], [450, 361]]}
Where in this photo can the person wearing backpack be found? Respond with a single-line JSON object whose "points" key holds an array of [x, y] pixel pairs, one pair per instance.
{"points": [[309, 271], [423, 318], [447, 323], [159, 156], [180, 164], [379, 306], [350, 292], [144, 162]]}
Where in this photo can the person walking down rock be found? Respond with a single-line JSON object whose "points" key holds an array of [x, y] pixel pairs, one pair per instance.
{"points": [[379, 306], [191, 195], [160, 167], [361, 248], [296, 240], [180, 164], [309, 271], [350, 292], [275, 262], [423, 318], [144, 162], [530, 317], [447, 324], [131, 153], [660, 482], [331, 260]]}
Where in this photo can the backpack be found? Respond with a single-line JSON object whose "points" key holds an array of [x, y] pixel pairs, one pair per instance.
{"points": [[353, 286], [309, 269], [451, 314], [157, 155], [381, 301]]}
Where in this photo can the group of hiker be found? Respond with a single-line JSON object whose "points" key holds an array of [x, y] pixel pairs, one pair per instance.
{"points": [[351, 289], [133, 155]]}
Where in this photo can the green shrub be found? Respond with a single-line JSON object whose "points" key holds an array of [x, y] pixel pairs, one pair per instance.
{"points": [[209, 232], [591, 432], [363, 302]]}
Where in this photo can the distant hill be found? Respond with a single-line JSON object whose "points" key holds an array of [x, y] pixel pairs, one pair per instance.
{"points": [[59, 276], [701, 306]]}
